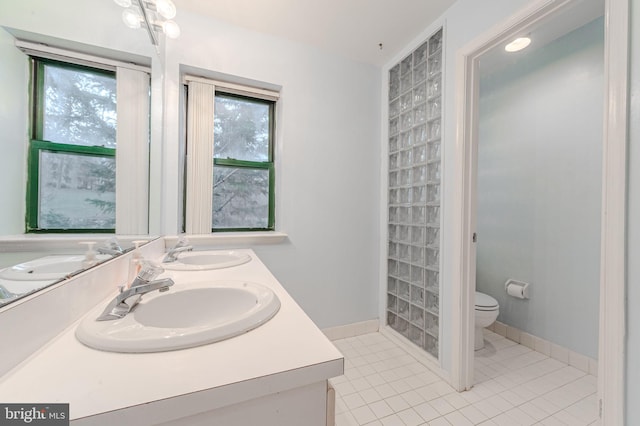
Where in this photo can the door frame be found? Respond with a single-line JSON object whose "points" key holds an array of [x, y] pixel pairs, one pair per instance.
{"points": [[611, 354]]}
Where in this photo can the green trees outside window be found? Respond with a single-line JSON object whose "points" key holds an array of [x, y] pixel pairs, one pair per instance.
{"points": [[71, 175], [243, 174]]}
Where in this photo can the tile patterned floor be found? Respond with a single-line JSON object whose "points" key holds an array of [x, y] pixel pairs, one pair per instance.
{"points": [[385, 386]]}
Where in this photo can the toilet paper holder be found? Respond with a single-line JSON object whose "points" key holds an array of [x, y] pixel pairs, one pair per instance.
{"points": [[517, 289]]}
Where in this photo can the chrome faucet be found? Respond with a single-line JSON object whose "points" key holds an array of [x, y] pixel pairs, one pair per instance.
{"points": [[172, 254], [5, 295], [111, 247], [128, 298]]}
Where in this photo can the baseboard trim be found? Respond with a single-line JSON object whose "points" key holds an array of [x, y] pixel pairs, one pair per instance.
{"points": [[351, 330], [557, 352]]}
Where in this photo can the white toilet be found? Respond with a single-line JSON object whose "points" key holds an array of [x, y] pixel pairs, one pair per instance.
{"points": [[486, 313]]}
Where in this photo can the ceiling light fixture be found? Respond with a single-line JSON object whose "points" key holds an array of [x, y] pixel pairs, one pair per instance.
{"points": [[518, 44], [155, 15]]}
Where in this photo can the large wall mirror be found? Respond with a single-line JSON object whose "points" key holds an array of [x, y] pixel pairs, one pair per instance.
{"points": [[58, 119]]}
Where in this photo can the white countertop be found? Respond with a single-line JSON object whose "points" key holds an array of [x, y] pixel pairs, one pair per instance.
{"points": [[287, 352]]}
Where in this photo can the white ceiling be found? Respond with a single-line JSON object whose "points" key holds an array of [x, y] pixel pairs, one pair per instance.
{"points": [[352, 28], [543, 32]]}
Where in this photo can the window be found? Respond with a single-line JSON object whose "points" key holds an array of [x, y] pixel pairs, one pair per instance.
{"points": [[243, 163], [80, 112], [230, 165], [71, 181]]}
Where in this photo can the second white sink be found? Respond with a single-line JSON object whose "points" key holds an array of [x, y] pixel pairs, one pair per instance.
{"points": [[202, 261], [188, 315]]}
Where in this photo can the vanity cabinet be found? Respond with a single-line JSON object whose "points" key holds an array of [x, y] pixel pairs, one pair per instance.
{"points": [[275, 374]]}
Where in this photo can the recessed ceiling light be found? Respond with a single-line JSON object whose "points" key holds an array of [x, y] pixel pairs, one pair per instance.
{"points": [[518, 44]]}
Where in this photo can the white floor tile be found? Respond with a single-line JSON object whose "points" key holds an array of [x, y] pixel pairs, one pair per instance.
{"points": [[488, 409], [392, 420], [426, 411], [370, 395], [488, 423], [428, 392], [457, 419], [551, 421], [584, 410], [500, 403], [354, 401], [344, 388], [440, 421], [363, 415], [442, 406], [397, 403], [385, 386], [413, 398], [474, 415], [381, 409], [400, 386], [346, 419], [534, 411], [341, 407], [456, 400], [375, 379], [360, 384], [385, 390], [568, 419], [520, 417], [410, 417]]}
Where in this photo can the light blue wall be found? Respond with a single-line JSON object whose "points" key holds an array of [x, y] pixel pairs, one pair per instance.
{"points": [[633, 225], [14, 74], [539, 188]]}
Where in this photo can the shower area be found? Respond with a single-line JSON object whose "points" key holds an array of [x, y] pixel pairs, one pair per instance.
{"points": [[413, 281]]}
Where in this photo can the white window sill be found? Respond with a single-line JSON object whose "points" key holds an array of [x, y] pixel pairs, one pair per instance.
{"points": [[227, 239], [48, 242]]}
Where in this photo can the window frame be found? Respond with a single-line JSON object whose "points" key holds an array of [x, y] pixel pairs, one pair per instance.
{"points": [[38, 144], [252, 165]]}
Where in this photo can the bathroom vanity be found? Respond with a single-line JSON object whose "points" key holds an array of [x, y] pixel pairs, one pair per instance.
{"points": [[275, 374]]}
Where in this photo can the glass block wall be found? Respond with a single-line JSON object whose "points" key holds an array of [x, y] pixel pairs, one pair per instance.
{"points": [[415, 107]]}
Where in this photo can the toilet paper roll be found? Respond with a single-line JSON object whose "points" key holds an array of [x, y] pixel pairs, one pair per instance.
{"points": [[515, 290]]}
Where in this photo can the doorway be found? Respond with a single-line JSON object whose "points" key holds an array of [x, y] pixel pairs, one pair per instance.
{"points": [[611, 306]]}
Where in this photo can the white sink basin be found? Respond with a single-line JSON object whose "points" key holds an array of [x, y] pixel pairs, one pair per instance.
{"points": [[202, 261], [47, 268], [186, 316]]}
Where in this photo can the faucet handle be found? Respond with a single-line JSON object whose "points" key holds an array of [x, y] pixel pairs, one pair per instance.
{"points": [[149, 270]]}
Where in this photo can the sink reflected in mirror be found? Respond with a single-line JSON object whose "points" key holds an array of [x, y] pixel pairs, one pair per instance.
{"points": [[49, 267], [187, 315], [51, 260], [195, 261]]}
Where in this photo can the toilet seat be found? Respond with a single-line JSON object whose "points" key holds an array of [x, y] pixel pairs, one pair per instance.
{"points": [[484, 302]]}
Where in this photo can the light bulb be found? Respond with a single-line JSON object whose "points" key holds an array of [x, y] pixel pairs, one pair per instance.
{"points": [[123, 3], [166, 9], [518, 44], [171, 29], [131, 18]]}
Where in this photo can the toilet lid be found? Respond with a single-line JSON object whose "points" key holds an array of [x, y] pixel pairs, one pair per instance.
{"points": [[484, 302]]}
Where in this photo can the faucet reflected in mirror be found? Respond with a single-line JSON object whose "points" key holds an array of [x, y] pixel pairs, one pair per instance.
{"points": [[5, 295], [111, 247], [181, 246]]}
